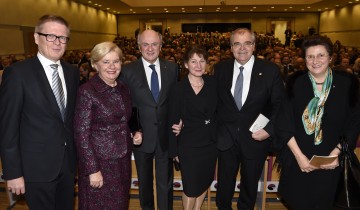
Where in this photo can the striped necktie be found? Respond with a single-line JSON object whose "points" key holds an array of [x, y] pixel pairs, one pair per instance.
{"points": [[58, 89]]}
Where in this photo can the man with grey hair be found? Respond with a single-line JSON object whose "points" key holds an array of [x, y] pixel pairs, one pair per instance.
{"points": [[150, 80], [247, 87]]}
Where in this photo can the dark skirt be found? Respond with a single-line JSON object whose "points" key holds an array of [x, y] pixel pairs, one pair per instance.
{"points": [[197, 168], [115, 193], [314, 190]]}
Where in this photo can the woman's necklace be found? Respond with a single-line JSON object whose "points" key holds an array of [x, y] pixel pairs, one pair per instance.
{"points": [[198, 84]]}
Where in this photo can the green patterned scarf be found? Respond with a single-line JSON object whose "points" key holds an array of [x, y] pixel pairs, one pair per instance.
{"points": [[314, 111]]}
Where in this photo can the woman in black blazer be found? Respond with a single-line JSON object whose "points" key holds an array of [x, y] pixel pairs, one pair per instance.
{"points": [[193, 100]]}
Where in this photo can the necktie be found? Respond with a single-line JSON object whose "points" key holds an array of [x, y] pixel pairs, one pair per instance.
{"points": [[154, 83], [238, 88], [58, 89]]}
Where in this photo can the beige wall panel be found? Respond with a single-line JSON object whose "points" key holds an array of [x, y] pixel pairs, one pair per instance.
{"points": [[11, 41], [88, 25], [342, 24]]}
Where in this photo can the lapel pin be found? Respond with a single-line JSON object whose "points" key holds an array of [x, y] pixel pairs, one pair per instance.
{"points": [[260, 74], [207, 121]]}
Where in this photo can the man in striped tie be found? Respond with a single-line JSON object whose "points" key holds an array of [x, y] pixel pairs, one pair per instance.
{"points": [[37, 100]]}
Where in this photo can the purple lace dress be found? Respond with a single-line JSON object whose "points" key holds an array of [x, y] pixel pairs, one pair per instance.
{"points": [[103, 143]]}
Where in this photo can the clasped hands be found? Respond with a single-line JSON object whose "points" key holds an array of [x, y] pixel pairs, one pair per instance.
{"points": [[305, 166]]}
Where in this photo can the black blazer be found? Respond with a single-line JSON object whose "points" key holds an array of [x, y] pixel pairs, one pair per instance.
{"points": [[32, 133], [265, 95], [153, 116]]}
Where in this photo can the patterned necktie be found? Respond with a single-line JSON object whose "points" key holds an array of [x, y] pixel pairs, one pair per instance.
{"points": [[154, 83], [58, 89], [238, 88]]}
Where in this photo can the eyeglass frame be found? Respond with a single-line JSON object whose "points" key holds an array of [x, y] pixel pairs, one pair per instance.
{"points": [[60, 38], [246, 44], [319, 56]]}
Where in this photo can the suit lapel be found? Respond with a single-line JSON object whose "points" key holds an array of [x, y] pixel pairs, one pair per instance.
{"points": [[69, 88], [256, 74], [142, 76], [164, 73], [46, 87]]}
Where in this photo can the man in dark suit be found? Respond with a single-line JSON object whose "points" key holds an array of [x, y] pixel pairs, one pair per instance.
{"points": [[240, 103], [37, 99], [152, 103]]}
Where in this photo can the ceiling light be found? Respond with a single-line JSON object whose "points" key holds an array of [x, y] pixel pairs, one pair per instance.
{"points": [[147, 9], [183, 8], [308, 7], [254, 7], [272, 7], [236, 7], [290, 7], [108, 8], [165, 8]]}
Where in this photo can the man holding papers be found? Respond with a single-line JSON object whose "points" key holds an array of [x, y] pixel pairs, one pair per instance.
{"points": [[247, 87]]}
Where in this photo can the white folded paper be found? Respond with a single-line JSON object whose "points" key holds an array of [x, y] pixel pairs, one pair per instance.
{"points": [[260, 122]]}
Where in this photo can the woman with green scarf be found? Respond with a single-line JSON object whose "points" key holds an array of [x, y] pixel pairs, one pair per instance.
{"points": [[321, 106]]}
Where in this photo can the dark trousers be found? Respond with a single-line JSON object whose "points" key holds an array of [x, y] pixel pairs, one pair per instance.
{"points": [[250, 172], [164, 179], [55, 195]]}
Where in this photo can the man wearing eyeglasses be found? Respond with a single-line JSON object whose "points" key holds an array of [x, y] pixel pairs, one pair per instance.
{"points": [[247, 87], [37, 99]]}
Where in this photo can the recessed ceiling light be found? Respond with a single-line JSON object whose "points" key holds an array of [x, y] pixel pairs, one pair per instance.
{"points": [[236, 7], [302, 9], [290, 7], [254, 7], [95, 4], [285, 9], [183, 8], [218, 8], [272, 7], [326, 8], [108, 8], [130, 9], [147, 9], [251, 10], [337, 5], [167, 11], [319, 9], [89, 2], [100, 5], [165, 8], [234, 10], [308, 7], [183, 11], [134, 12], [350, 2]]}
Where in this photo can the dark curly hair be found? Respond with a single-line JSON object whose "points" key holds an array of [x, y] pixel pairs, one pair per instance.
{"points": [[195, 49], [314, 40]]}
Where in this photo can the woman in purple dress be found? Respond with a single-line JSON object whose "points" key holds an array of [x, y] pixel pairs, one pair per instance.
{"points": [[102, 134]]}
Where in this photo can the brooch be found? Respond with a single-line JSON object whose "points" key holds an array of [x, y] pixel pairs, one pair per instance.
{"points": [[207, 121]]}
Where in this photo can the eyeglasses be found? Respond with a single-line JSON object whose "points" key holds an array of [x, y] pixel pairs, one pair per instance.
{"points": [[245, 44], [52, 38], [155, 44], [318, 57]]}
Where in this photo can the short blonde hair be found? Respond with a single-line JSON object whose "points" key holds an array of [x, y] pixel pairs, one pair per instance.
{"points": [[102, 49]]}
